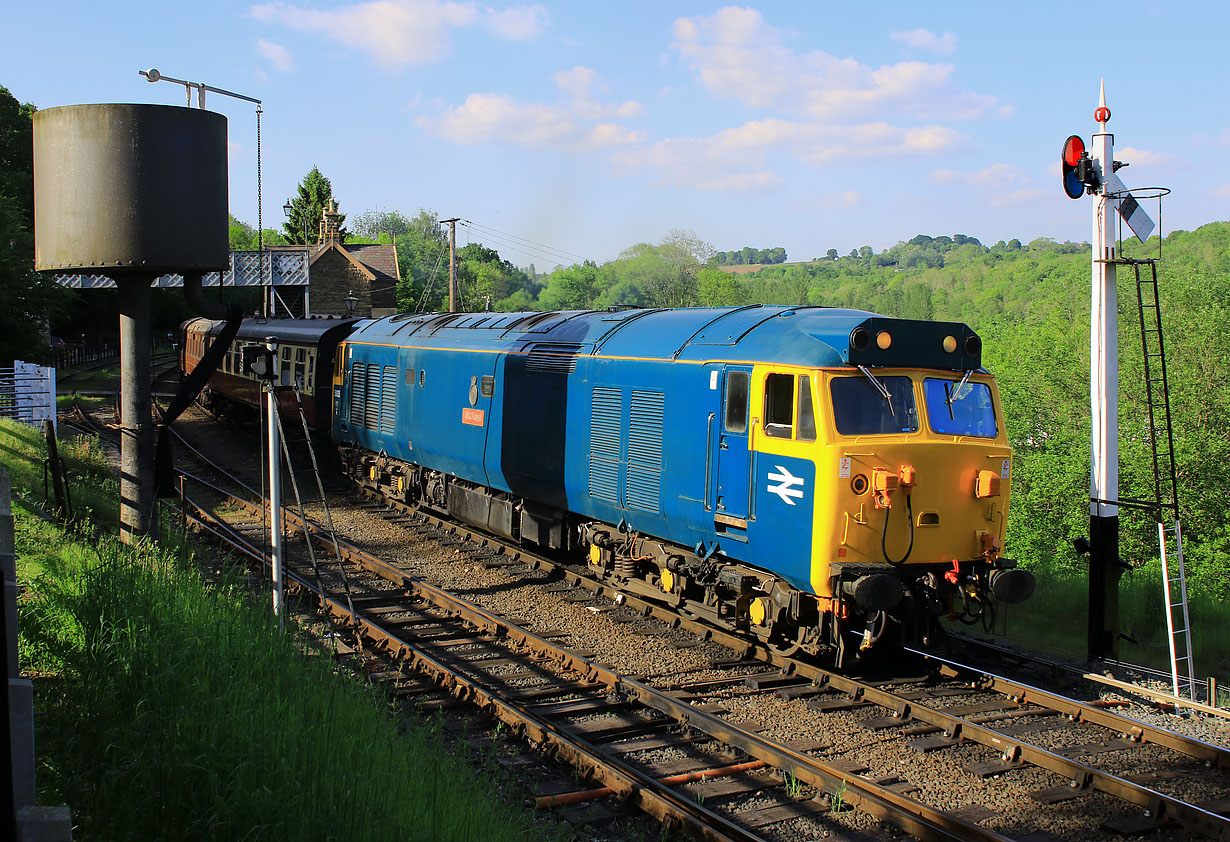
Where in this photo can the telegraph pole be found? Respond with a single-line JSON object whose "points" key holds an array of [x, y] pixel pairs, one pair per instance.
{"points": [[452, 262]]}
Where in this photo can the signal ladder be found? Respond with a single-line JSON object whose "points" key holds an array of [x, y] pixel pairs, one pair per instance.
{"points": [[1165, 501]]}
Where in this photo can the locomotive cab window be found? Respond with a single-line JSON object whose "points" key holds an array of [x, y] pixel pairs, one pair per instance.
{"points": [[737, 383], [955, 409], [806, 413], [779, 406], [861, 408]]}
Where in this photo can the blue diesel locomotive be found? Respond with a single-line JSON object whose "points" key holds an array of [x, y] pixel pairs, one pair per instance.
{"points": [[823, 479]]}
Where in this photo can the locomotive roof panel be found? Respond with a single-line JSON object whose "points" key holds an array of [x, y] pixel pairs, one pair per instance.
{"points": [[807, 336]]}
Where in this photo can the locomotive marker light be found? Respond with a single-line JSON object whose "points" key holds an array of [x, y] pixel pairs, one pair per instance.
{"points": [[1109, 196]]}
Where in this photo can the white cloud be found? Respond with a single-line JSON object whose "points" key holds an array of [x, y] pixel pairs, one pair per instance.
{"points": [[925, 39], [1004, 184], [581, 84], [994, 177], [277, 54], [486, 118], [403, 32], [738, 158], [737, 55], [519, 23], [1144, 157]]}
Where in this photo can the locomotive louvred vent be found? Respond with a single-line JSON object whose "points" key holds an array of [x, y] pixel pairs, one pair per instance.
{"points": [[371, 408], [604, 445], [358, 393], [558, 358], [644, 482], [388, 400]]}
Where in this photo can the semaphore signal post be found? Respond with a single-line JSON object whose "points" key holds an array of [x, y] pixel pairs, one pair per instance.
{"points": [[1094, 174]]}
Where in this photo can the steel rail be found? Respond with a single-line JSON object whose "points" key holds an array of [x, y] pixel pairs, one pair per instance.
{"points": [[628, 784], [1014, 752], [1081, 776], [1082, 672], [921, 820], [914, 817], [1134, 729]]}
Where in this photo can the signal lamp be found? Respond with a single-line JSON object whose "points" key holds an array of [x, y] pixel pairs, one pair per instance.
{"points": [[950, 344], [1078, 171], [884, 340], [257, 360]]}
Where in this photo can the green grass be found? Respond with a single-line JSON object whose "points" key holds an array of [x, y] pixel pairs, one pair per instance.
{"points": [[170, 708], [1054, 620]]}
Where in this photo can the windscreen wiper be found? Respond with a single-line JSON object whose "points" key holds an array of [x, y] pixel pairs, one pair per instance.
{"points": [[955, 394], [880, 388]]}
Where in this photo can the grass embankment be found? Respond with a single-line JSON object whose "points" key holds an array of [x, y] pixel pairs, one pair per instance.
{"points": [[174, 709], [1055, 620]]}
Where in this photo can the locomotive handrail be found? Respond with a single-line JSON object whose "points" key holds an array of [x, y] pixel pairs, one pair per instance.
{"points": [[708, 458], [751, 469]]}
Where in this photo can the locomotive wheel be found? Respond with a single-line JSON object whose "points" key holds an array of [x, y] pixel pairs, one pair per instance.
{"points": [[783, 645]]}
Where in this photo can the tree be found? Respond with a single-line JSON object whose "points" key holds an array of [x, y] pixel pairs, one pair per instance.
{"points": [[720, 289], [422, 255], [242, 235], [306, 207], [30, 299], [683, 253], [371, 224], [831, 254]]}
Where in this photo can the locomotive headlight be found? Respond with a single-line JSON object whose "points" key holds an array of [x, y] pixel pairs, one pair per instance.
{"points": [[860, 338], [950, 344], [884, 340], [973, 345]]}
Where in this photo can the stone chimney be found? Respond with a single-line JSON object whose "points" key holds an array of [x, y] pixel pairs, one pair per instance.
{"points": [[329, 228]]}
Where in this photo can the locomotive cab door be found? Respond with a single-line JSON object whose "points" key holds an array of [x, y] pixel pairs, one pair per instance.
{"points": [[731, 455]]}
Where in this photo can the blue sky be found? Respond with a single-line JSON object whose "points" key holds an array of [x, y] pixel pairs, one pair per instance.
{"points": [[587, 127]]}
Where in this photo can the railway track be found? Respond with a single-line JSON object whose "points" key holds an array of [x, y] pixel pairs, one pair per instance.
{"points": [[627, 732]]}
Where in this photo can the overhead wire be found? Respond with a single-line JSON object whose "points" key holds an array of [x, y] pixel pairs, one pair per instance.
{"points": [[549, 259], [523, 245], [506, 235]]}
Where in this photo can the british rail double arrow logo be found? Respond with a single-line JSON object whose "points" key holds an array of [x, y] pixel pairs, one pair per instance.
{"points": [[786, 483]]}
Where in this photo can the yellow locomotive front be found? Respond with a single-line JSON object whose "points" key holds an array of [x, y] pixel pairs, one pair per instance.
{"points": [[913, 474]]}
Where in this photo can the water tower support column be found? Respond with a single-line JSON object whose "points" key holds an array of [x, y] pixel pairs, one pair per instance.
{"points": [[136, 422]]}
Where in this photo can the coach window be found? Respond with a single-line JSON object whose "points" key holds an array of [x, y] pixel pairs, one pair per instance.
{"points": [[736, 401], [779, 405], [300, 366], [805, 414]]}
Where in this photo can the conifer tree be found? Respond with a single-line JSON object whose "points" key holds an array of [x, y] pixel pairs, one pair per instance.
{"points": [[314, 193]]}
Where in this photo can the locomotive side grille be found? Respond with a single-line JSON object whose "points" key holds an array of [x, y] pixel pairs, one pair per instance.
{"points": [[371, 403], [558, 358], [604, 444], [388, 400], [644, 482], [358, 393]]}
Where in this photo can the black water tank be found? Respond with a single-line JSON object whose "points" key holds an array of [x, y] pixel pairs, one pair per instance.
{"points": [[124, 188]]}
